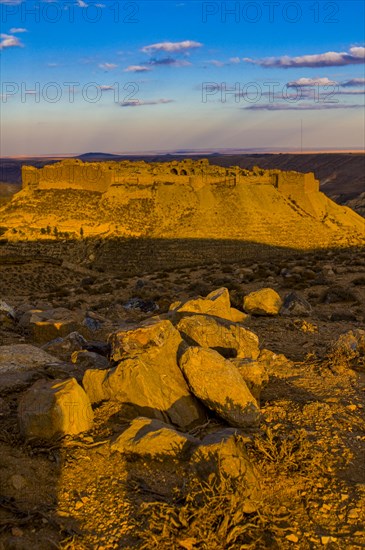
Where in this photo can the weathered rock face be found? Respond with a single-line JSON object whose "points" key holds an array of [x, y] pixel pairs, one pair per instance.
{"points": [[228, 338], [221, 454], [151, 335], [263, 302], [57, 407], [20, 363], [153, 439], [148, 379], [46, 325], [219, 385], [254, 374], [64, 347], [216, 303]]}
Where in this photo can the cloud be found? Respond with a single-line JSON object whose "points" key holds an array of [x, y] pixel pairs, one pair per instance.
{"points": [[169, 62], [234, 60], [216, 63], [108, 66], [106, 88], [354, 56], [170, 47], [350, 92], [143, 103], [353, 82], [81, 4], [301, 107], [307, 82], [136, 69], [9, 41], [16, 30]]}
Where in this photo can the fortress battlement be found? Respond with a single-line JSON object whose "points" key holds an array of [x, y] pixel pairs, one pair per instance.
{"points": [[117, 177]]}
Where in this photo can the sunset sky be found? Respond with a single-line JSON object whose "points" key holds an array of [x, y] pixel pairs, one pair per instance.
{"points": [[112, 76]]}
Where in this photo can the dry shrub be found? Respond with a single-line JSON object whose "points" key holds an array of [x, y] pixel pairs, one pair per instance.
{"points": [[287, 451], [209, 516]]}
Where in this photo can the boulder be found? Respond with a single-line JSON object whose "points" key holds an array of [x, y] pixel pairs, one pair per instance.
{"points": [[148, 379], [48, 324], [219, 385], [223, 455], [21, 363], [262, 302], [295, 305], [153, 439], [149, 335], [51, 408], [254, 374], [44, 331], [228, 338], [216, 303], [64, 347]]}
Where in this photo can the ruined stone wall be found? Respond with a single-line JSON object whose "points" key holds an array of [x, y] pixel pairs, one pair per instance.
{"points": [[86, 176], [292, 183], [101, 177]]}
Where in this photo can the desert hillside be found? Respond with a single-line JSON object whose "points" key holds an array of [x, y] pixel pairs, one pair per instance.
{"points": [[252, 210]]}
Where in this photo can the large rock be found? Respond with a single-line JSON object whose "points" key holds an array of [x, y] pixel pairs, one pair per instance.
{"points": [[22, 363], [219, 385], [228, 338], [223, 455], [153, 439], [150, 335], [215, 303], [46, 325], [254, 374], [57, 407], [262, 302], [64, 347], [148, 379]]}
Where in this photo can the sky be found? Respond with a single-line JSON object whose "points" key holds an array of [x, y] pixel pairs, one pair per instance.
{"points": [[135, 76]]}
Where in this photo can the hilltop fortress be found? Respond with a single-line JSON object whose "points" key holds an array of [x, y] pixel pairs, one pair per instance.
{"points": [[184, 199], [116, 178]]}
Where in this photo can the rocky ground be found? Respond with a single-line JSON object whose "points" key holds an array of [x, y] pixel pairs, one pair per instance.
{"points": [[282, 467]]}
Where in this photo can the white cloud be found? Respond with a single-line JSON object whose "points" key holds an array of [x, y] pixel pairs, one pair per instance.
{"points": [[301, 106], [136, 69], [304, 82], [142, 103], [108, 66], [9, 41], [171, 46], [355, 55], [16, 30]]}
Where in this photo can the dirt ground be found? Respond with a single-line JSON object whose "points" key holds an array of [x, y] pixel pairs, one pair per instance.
{"points": [[309, 451]]}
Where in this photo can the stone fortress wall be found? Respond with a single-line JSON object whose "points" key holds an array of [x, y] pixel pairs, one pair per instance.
{"points": [[119, 178]]}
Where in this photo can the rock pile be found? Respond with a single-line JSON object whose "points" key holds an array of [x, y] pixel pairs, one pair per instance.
{"points": [[170, 375]]}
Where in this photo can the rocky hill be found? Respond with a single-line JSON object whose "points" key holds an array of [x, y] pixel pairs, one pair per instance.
{"points": [[290, 216]]}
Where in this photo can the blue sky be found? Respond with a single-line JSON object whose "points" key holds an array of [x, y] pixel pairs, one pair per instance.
{"points": [[152, 75]]}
